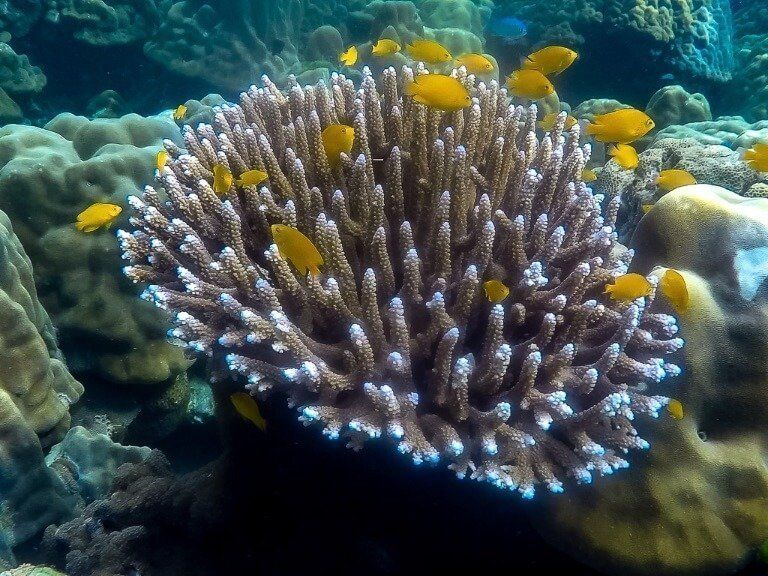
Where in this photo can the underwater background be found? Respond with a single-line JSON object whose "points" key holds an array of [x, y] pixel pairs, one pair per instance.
{"points": [[515, 250]]}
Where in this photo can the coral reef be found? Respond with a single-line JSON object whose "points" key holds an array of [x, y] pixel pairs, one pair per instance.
{"points": [[36, 391], [47, 176], [17, 74], [731, 131], [18, 16], [674, 105], [88, 461], [106, 22], [395, 337], [708, 163], [29, 570], [32, 371], [749, 90], [690, 37], [698, 505]]}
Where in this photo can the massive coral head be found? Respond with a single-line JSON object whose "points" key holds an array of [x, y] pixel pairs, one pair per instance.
{"points": [[395, 337]]}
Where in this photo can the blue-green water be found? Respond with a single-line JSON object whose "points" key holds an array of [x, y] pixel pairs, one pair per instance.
{"points": [[514, 249]]}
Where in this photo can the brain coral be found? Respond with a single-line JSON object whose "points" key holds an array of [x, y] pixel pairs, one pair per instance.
{"points": [[395, 337], [698, 505], [47, 176]]}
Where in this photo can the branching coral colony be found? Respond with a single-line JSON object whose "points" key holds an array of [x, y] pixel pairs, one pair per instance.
{"points": [[396, 337]]}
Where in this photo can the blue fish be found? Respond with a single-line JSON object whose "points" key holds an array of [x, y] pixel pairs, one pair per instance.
{"points": [[507, 27]]}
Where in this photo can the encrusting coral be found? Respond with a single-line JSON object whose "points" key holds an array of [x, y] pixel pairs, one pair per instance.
{"points": [[395, 337]]}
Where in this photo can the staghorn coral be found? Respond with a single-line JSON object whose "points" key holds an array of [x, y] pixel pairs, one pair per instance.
{"points": [[395, 337]]}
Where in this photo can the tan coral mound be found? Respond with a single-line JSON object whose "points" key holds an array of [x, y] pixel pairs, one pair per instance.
{"points": [[698, 504]]}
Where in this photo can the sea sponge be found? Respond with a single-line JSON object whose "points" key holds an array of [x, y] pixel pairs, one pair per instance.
{"points": [[697, 505]]}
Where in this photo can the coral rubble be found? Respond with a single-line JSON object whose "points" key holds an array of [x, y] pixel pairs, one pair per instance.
{"points": [[395, 337]]}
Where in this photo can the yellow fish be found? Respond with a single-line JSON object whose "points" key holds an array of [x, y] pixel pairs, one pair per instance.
{"points": [[625, 156], [96, 216], [349, 57], [646, 208], [673, 286], [439, 91], [337, 138], [628, 287], [757, 157], [548, 122], [297, 248], [622, 126], [495, 291], [529, 84], [385, 47], [161, 159], [670, 179], [475, 63], [588, 175], [180, 112], [675, 408], [550, 60], [247, 408], [428, 51], [252, 178], [222, 179]]}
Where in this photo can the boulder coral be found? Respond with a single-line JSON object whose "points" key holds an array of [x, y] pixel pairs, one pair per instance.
{"points": [[47, 176], [708, 163], [731, 131], [697, 505], [689, 37], [675, 105], [36, 391]]}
